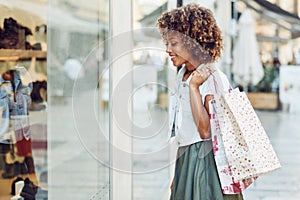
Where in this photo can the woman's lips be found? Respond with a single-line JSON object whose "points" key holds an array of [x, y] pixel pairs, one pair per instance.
{"points": [[172, 58]]}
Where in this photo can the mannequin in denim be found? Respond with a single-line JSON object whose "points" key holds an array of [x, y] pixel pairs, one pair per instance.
{"points": [[16, 97]]}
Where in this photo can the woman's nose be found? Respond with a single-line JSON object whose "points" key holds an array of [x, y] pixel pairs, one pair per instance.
{"points": [[168, 50]]}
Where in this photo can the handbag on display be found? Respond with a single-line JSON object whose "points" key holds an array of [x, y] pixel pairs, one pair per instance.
{"points": [[237, 130]]}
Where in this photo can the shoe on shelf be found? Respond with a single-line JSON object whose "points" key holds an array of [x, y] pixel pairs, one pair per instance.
{"points": [[9, 171]]}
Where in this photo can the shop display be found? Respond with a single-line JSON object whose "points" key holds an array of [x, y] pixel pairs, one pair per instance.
{"points": [[24, 83], [13, 36]]}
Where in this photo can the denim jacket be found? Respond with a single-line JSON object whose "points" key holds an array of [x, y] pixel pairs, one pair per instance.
{"points": [[17, 101], [4, 111]]}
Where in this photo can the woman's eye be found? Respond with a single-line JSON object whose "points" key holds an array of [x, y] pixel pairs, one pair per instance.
{"points": [[174, 43]]}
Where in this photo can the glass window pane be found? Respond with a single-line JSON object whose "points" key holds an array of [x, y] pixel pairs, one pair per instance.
{"points": [[78, 96], [150, 105]]}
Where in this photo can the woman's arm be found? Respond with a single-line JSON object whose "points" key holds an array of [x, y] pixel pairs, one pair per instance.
{"points": [[200, 112]]}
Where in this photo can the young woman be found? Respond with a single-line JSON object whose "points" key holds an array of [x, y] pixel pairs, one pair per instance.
{"points": [[193, 41]]}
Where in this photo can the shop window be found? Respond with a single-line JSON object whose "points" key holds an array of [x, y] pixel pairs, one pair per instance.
{"points": [[24, 102]]}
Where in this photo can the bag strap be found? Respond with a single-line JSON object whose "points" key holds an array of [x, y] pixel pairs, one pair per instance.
{"points": [[219, 87]]}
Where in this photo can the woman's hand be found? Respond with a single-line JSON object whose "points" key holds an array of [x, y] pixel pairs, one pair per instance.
{"points": [[199, 76]]}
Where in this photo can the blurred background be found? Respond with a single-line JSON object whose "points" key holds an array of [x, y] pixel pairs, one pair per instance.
{"points": [[100, 83]]}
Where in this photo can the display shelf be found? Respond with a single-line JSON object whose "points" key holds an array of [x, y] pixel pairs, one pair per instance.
{"points": [[19, 54]]}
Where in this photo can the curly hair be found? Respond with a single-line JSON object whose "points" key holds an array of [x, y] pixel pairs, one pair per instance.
{"points": [[198, 29]]}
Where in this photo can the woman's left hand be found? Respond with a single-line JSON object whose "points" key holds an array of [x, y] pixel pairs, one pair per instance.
{"points": [[199, 76]]}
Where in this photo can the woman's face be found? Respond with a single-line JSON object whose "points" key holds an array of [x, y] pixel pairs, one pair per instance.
{"points": [[177, 51]]}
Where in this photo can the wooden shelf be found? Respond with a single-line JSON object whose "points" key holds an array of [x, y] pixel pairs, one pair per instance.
{"points": [[19, 54], [263, 100]]}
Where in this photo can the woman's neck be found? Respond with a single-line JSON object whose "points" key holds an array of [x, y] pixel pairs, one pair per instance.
{"points": [[192, 66], [188, 71]]}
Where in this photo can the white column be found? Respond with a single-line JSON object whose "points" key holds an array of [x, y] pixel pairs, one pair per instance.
{"points": [[172, 4], [120, 45], [223, 16]]}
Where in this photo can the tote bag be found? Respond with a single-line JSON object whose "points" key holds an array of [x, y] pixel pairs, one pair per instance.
{"points": [[228, 184], [246, 144]]}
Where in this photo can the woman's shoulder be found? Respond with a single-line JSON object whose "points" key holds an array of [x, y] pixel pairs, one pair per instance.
{"points": [[221, 81], [216, 80]]}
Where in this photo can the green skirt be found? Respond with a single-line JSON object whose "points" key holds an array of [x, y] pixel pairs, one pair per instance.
{"points": [[196, 176]]}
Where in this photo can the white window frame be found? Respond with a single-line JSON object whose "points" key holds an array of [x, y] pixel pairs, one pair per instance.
{"points": [[121, 63]]}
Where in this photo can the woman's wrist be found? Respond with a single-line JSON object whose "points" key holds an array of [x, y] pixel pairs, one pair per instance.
{"points": [[194, 88]]}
